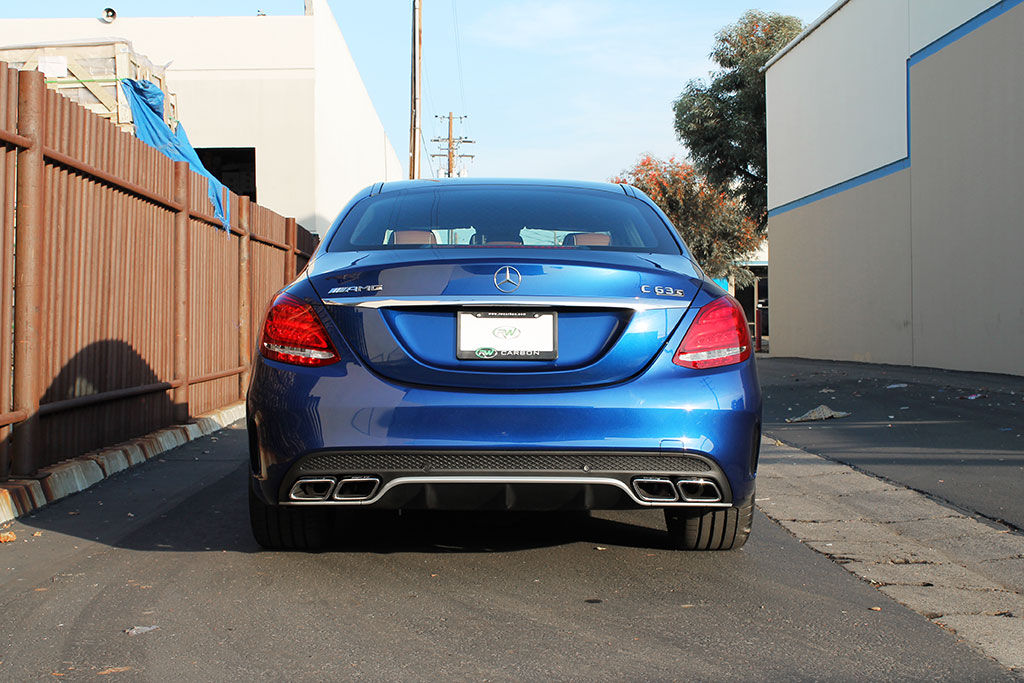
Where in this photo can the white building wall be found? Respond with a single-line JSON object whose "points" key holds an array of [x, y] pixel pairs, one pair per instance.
{"points": [[283, 85], [837, 98], [836, 105], [238, 93], [352, 149]]}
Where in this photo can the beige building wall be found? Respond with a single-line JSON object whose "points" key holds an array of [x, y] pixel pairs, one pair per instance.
{"points": [[918, 264], [840, 285], [967, 189], [930, 19], [285, 85]]}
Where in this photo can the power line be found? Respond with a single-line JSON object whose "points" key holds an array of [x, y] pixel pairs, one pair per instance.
{"points": [[458, 54], [430, 164], [421, 81], [430, 93]]}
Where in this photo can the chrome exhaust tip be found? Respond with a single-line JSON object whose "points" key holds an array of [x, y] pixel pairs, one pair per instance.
{"points": [[312, 488], [699, 490], [356, 488], [655, 489]]}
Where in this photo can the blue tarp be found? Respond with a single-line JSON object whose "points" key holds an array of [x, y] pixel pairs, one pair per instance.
{"points": [[147, 103]]}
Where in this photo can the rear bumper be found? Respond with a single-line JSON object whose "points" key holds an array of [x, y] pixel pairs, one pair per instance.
{"points": [[504, 480], [668, 416]]}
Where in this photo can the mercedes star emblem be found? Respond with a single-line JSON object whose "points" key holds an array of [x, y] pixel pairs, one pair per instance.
{"points": [[507, 279]]}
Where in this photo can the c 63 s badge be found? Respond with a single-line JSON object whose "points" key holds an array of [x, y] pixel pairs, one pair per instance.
{"points": [[661, 291], [355, 289]]}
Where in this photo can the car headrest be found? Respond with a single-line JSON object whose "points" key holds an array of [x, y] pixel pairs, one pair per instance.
{"points": [[496, 241], [412, 237], [586, 239]]}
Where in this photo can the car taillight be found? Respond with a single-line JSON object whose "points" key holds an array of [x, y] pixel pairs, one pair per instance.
{"points": [[292, 333], [719, 336]]}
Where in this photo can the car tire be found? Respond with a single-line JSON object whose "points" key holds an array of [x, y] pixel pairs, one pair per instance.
{"points": [[710, 528], [276, 527]]}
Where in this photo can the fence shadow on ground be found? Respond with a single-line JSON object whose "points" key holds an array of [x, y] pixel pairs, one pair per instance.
{"points": [[97, 373]]}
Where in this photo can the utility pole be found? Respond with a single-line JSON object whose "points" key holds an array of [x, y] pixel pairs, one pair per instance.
{"points": [[453, 144], [414, 113], [451, 147]]}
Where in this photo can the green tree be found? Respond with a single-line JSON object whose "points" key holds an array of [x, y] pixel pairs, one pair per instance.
{"points": [[712, 223], [722, 123]]}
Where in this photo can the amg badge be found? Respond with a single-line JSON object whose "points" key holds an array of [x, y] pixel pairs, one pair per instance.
{"points": [[354, 289]]}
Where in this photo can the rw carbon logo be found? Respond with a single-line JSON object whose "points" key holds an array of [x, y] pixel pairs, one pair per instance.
{"points": [[486, 352], [506, 332]]}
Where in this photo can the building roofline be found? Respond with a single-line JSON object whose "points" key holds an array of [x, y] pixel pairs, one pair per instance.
{"points": [[803, 34]]}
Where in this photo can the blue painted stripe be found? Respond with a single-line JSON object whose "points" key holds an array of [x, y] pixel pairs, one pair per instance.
{"points": [[963, 29], [908, 108], [979, 20], [888, 169]]}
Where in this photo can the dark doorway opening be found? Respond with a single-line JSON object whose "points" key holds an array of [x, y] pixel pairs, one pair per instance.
{"points": [[233, 166], [753, 303]]}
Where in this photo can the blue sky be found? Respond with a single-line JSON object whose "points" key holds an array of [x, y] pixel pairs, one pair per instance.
{"points": [[555, 88]]}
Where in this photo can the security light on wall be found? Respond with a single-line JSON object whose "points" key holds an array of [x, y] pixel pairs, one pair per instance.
{"points": [[108, 15]]}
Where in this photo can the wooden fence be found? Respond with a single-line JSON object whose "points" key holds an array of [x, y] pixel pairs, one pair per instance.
{"points": [[125, 306]]}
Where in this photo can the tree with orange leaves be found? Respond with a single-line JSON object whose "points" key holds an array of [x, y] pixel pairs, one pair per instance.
{"points": [[714, 224]]}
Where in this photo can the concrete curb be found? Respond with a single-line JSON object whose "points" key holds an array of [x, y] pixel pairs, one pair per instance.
{"points": [[963, 574], [21, 497]]}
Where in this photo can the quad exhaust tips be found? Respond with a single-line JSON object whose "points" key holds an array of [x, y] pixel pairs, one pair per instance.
{"points": [[648, 489], [682, 489], [319, 489]]}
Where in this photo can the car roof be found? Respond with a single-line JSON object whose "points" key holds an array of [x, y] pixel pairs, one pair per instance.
{"points": [[515, 182]]}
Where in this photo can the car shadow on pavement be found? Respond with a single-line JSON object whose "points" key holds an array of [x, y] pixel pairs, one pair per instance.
{"points": [[428, 531], [194, 499]]}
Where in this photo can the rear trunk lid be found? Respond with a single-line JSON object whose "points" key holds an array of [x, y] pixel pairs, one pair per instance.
{"points": [[505, 318]]}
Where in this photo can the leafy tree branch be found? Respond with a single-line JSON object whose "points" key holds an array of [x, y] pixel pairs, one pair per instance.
{"points": [[722, 122]]}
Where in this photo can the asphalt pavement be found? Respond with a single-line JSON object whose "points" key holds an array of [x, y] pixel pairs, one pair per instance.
{"points": [[956, 436], [153, 575]]}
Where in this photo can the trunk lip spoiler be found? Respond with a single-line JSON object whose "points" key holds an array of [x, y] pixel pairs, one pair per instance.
{"points": [[631, 303]]}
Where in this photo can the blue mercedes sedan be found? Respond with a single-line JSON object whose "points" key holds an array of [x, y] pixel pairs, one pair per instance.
{"points": [[503, 345]]}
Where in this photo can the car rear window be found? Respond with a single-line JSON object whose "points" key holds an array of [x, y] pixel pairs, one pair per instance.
{"points": [[489, 216]]}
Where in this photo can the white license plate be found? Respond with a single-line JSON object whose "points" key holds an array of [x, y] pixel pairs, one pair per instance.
{"points": [[507, 335]]}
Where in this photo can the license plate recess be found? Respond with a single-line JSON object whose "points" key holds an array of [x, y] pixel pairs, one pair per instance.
{"points": [[506, 335]]}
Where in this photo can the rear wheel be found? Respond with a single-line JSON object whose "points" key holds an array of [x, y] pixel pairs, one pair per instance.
{"points": [[277, 527], [710, 528]]}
